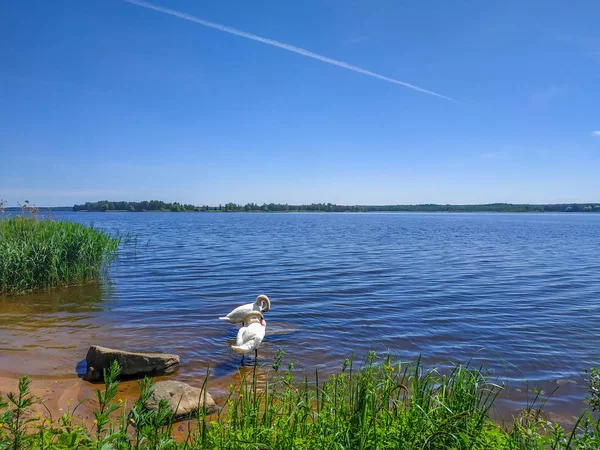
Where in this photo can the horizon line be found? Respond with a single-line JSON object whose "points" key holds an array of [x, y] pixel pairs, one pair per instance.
{"points": [[6, 207]]}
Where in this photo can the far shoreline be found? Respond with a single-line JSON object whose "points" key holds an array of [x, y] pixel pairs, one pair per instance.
{"points": [[161, 206], [337, 212]]}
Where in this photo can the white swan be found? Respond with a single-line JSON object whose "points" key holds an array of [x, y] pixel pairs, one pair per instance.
{"points": [[251, 336], [239, 314]]}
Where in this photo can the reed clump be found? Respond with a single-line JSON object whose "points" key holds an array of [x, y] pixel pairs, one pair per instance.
{"points": [[43, 253], [381, 405]]}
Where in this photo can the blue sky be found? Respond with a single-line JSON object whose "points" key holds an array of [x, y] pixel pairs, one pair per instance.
{"points": [[112, 100]]}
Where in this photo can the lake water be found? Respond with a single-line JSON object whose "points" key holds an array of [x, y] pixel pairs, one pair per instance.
{"points": [[519, 293]]}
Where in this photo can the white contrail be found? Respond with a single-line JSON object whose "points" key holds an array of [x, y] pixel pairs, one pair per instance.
{"points": [[289, 48]]}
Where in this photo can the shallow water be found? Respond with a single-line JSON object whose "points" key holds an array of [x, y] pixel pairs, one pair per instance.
{"points": [[519, 293]]}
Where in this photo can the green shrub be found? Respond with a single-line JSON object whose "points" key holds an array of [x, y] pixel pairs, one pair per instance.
{"points": [[593, 398], [380, 406], [37, 254]]}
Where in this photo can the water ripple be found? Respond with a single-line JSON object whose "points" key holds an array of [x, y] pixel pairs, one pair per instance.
{"points": [[517, 292]]}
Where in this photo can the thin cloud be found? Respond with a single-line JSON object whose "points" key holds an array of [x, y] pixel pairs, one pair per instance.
{"points": [[596, 133], [584, 42], [274, 43], [20, 193], [587, 45], [545, 97], [491, 155], [59, 84], [358, 40]]}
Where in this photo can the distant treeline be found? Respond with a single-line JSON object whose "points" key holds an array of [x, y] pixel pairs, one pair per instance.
{"points": [[152, 205], [157, 205]]}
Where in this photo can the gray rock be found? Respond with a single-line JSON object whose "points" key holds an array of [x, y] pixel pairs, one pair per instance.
{"points": [[133, 364], [183, 399]]}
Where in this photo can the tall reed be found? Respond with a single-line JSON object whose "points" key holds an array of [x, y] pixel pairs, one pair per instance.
{"points": [[42, 253], [381, 405]]}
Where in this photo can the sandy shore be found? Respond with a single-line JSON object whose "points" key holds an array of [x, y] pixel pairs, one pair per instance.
{"points": [[62, 393], [65, 393]]}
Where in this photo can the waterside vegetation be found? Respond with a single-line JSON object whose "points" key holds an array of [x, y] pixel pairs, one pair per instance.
{"points": [[40, 253], [382, 405], [158, 205]]}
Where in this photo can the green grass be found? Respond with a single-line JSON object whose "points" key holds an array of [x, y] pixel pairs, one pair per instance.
{"points": [[382, 405], [43, 253]]}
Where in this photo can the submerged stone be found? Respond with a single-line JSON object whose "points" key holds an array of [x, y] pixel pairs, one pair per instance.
{"points": [[133, 364]]}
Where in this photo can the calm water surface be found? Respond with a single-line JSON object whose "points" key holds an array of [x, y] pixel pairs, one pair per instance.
{"points": [[519, 293]]}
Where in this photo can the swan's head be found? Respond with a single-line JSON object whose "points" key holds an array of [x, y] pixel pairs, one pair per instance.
{"points": [[253, 316], [263, 300]]}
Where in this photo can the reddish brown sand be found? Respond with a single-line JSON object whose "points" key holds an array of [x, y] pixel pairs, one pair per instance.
{"points": [[65, 393], [60, 393]]}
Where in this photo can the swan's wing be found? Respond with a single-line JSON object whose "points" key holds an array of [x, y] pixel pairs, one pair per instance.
{"points": [[239, 313], [249, 343], [249, 338], [239, 340], [246, 347], [255, 332]]}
